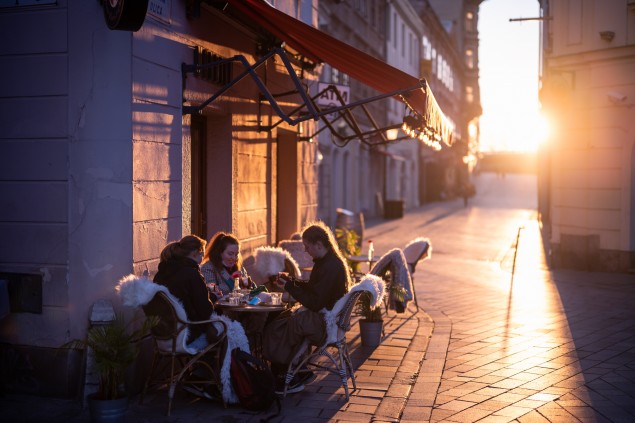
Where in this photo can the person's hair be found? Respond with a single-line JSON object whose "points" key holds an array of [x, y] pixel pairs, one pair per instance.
{"points": [[319, 232], [182, 248], [217, 245]]}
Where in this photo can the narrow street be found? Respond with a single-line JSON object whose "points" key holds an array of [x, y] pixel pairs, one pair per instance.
{"points": [[541, 346], [538, 346]]}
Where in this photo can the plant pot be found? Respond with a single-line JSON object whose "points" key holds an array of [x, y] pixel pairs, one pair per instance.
{"points": [[370, 332], [108, 411]]}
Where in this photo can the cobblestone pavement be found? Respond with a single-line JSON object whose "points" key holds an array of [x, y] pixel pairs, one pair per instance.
{"points": [[385, 376], [499, 337], [513, 340]]}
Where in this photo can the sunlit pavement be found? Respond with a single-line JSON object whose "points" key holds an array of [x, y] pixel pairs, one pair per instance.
{"points": [[499, 336], [537, 346]]}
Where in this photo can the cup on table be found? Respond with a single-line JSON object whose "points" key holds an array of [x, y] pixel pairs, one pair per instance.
{"points": [[234, 300], [276, 298]]}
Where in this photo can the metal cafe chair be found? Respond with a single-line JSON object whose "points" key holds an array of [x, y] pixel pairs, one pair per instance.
{"points": [[336, 351], [416, 250], [173, 365]]}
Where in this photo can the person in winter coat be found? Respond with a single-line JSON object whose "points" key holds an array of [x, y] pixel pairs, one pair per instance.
{"points": [[179, 272], [328, 282]]}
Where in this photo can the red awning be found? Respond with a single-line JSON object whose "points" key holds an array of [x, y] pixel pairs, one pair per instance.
{"points": [[321, 47]]}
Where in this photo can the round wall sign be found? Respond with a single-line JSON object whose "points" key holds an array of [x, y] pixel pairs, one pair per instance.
{"points": [[125, 15]]}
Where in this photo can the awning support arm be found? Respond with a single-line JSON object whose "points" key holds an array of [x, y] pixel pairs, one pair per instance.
{"points": [[250, 71], [313, 113]]}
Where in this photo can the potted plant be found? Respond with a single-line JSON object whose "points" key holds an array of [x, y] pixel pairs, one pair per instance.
{"points": [[114, 348], [347, 241], [398, 298], [371, 324]]}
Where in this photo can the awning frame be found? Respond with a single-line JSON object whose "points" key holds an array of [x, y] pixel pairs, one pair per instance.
{"points": [[344, 112], [313, 110]]}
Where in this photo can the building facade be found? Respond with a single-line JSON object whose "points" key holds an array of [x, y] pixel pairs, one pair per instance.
{"points": [[587, 168], [403, 172], [403, 51], [451, 62], [351, 175], [109, 152]]}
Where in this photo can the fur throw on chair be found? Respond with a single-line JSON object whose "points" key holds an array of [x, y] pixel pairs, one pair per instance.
{"points": [[137, 291], [272, 260], [395, 261], [371, 283]]}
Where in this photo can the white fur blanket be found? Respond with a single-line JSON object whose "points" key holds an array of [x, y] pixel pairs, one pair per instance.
{"points": [[137, 291], [371, 283], [395, 261], [271, 260]]}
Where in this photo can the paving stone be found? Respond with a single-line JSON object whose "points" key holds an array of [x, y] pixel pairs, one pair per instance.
{"points": [[556, 346], [533, 417]]}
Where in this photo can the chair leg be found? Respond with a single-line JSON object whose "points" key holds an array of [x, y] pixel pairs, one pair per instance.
{"points": [[414, 297], [344, 380], [146, 385], [173, 383], [343, 367], [349, 365], [171, 390]]}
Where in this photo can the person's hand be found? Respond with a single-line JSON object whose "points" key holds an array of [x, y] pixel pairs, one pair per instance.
{"points": [[214, 289], [283, 278]]}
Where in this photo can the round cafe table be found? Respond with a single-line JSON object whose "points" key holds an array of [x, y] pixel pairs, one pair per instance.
{"points": [[248, 308], [242, 311]]}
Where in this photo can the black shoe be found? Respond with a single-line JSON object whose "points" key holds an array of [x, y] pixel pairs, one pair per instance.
{"points": [[294, 386]]}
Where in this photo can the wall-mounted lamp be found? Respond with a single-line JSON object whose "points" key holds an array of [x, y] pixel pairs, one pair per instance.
{"points": [[392, 134], [607, 35]]}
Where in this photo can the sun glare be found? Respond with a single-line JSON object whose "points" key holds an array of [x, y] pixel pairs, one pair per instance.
{"points": [[508, 78], [535, 133]]}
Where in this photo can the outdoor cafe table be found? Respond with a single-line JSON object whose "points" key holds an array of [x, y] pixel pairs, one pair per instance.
{"points": [[255, 339], [249, 308]]}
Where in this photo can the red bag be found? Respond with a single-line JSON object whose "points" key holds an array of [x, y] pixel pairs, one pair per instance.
{"points": [[252, 380]]}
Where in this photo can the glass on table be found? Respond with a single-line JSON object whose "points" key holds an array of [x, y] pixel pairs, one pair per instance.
{"points": [[276, 298]]}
